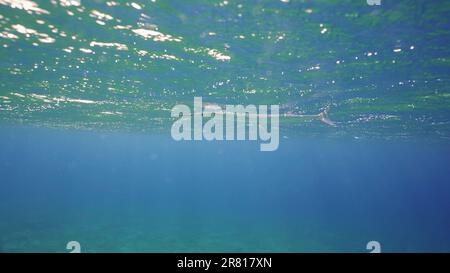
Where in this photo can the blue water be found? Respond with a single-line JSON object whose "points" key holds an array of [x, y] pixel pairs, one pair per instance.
{"points": [[86, 155], [140, 193]]}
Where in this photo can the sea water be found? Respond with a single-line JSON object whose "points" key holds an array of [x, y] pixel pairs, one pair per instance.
{"points": [[87, 156], [139, 193]]}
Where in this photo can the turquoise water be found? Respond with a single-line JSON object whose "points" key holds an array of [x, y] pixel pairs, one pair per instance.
{"points": [[86, 89]]}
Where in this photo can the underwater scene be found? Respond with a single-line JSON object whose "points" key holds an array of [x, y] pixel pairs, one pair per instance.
{"points": [[224, 126]]}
